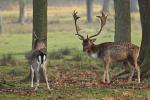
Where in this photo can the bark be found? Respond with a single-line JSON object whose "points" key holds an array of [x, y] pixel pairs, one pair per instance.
{"points": [[22, 11], [39, 28], [89, 7], [40, 20], [122, 21], [144, 7], [1, 24], [133, 5], [106, 5]]}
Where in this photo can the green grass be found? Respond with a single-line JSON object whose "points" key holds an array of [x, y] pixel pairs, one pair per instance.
{"points": [[76, 93], [21, 43], [14, 97]]}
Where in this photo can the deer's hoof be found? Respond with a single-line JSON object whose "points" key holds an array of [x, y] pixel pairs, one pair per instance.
{"points": [[103, 82], [50, 90], [129, 81], [35, 89], [108, 82], [139, 81]]}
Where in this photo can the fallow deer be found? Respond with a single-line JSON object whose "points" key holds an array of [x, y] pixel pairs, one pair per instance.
{"points": [[37, 60], [109, 52]]}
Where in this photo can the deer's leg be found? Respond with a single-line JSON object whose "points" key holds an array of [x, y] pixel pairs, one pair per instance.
{"points": [[32, 75], [37, 77], [135, 66], [131, 74], [106, 72], [131, 66], [45, 75], [138, 71], [104, 75]]}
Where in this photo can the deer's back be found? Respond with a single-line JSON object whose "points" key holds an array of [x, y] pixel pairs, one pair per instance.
{"points": [[118, 51]]}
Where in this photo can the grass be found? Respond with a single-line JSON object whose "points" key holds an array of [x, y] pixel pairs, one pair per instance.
{"points": [[20, 43], [77, 93], [72, 75]]}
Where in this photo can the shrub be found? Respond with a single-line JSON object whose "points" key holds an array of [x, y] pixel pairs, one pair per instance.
{"points": [[59, 54], [9, 60], [55, 55], [77, 57], [65, 51]]}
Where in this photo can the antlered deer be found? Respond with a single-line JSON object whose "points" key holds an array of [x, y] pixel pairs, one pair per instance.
{"points": [[109, 52], [37, 60]]}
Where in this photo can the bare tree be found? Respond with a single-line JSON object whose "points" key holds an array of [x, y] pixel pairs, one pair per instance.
{"points": [[22, 11], [122, 20], [133, 5], [106, 5], [40, 20], [144, 7], [89, 7], [1, 24]]}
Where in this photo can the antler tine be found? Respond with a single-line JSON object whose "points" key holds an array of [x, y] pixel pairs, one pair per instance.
{"points": [[102, 18], [76, 17], [38, 38], [35, 36]]}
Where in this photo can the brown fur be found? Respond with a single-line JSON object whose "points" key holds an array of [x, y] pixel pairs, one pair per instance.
{"points": [[116, 51], [37, 49], [110, 52]]}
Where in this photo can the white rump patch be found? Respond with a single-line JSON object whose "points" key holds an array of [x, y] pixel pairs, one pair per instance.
{"points": [[44, 58], [39, 59]]}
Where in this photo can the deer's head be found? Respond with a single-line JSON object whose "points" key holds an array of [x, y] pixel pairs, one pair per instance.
{"points": [[89, 40], [39, 42]]}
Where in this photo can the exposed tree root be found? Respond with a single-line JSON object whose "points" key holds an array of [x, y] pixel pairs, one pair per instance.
{"points": [[121, 74], [145, 74]]}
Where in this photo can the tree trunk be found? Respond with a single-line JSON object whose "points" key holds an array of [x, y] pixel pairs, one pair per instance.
{"points": [[39, 28], [89, 7], [122, 21], [40, 20], [1, 24], [133, 5], [144, 7], [106, 5], [40, 24], [21, 11]]}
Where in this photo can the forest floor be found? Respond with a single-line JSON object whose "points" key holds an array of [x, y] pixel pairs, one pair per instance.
{"points": [[70, 80], [72, 75]]}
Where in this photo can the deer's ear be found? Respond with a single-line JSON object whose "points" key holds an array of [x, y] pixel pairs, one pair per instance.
{"points": [[93, 40]]}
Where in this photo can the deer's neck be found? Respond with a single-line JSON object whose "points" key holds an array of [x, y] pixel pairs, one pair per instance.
{"points": [[92, 52], [93, 48]]}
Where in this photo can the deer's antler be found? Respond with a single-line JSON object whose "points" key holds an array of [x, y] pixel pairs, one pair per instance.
{"points": [[76, 17], [38, 38], [102, 18]]}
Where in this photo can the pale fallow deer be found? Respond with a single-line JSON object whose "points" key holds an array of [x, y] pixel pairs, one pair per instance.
{"points": [[109, 52], [37, 60]]}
